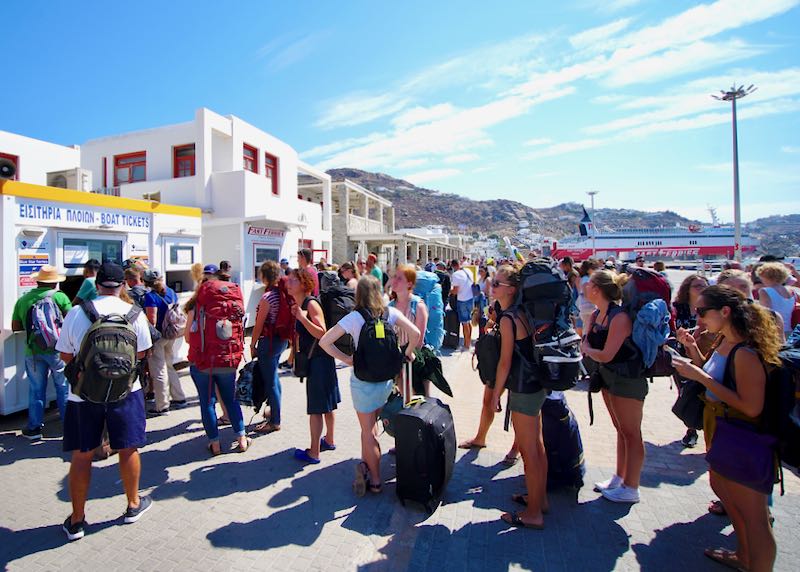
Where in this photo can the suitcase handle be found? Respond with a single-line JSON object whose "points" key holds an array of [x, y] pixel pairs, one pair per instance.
{"points": [[409, 399]]}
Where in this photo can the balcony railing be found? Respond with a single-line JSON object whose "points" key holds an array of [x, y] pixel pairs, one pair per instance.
{"points": [[111, 191]]}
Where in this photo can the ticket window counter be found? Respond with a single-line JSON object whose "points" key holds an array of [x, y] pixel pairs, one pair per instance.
{"points": [[179, 255], [262, 253], [74, 250]]}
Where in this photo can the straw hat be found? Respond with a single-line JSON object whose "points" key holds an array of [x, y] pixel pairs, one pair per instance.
{"points": [[48, 275]]}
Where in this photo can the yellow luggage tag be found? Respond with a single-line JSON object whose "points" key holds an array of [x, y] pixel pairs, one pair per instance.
{"points": [[380, 332]]}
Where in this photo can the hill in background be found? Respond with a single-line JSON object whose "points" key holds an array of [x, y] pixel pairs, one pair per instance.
{"points": [[419, 206]]}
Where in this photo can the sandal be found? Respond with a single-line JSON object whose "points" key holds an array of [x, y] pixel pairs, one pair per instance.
{"points": [[470, 445], [716, 507], [237, 447], [515, 521], [523, 500], [725, 557], [510, 461], [223, 421], [266, 428], [376, 489], [360, 482]]}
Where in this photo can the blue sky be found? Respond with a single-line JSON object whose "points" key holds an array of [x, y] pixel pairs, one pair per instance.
{"points": [[522, 100]]}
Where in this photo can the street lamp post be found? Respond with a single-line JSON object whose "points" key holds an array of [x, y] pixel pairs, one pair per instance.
{"points": [[594, 232], [732, 95]]}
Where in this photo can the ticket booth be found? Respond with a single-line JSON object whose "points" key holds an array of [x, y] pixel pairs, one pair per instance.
{"points": [[65, 228]]}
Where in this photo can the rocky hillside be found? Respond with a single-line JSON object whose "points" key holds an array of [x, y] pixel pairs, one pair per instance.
{"points": [[418, 206]]}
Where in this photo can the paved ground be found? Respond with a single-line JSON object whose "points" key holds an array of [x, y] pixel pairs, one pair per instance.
{"points": [[264, 510]]}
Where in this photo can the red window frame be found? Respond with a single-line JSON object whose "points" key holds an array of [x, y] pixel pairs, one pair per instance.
{"points": [[305, 243], [14, 159], [130, 163], [250, 162], [271, 171], [183, 166], [105, 172]]}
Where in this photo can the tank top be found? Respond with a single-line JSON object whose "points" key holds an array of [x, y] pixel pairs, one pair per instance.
{"points": [[781, 305], [411, 314], [304, 338], [583, 304], [598, 336]]}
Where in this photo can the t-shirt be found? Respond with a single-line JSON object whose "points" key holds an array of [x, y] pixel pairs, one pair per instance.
{"points": [[88, 290], [273, 298], [377, 273], [314, 276], [77, 323], [161, 303], [353, 322], [463, 280], [23, 307]]}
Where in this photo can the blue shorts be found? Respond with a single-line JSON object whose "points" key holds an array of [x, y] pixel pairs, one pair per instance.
{"points": [[84, 422], [465, 310], [368, 396]]}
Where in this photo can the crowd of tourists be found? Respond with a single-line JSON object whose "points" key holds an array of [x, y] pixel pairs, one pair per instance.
{"points": [[111, 352]]}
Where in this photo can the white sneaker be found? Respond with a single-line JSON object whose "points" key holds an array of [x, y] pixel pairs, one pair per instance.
{"points": [[613, 483], [622, 494]]}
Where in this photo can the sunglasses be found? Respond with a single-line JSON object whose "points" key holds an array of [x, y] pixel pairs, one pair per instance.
{"points": [[701, 310], [496, 283]]}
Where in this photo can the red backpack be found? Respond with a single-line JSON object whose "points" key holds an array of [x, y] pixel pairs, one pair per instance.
{"points": [[217, 334], [643, 286], [284, 323]]}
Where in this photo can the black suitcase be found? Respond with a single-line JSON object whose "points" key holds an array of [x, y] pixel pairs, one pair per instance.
{"points": [[425, 442], [562, 441], [451, 327]]}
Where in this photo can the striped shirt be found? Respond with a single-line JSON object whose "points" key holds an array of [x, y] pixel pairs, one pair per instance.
{"points": [[273, 298]]}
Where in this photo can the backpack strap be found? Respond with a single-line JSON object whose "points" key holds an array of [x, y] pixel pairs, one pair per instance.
{"points": [[366, 315], [133, 314], [91, 312]]}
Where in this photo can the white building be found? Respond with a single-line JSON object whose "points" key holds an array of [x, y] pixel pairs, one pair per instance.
{"points": [[38, 162], [244, 180]]}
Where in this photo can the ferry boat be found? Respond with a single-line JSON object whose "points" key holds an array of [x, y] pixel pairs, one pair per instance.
{"points": [[693, 241]]}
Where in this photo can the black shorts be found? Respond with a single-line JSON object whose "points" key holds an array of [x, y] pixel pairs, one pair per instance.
{"points": [[84, 422]]}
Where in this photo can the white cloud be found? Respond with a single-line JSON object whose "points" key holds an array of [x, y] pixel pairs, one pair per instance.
{"points": [[431, 175], [417, 115], [537, 141], [283, 51], [463, 158], [592, 36], [340, 145], [411, 163], [357, 109]]}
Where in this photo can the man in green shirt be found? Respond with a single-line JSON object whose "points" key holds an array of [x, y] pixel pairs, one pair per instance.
{"points": [[374, 269], [41, 363], [88, 290]]}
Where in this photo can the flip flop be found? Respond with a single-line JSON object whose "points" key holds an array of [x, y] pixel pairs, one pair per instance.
{"points": [[520, 499], [517, 522], [725, 557], [302, 455], [470, 445], [716, 507], [221, 421], [237, 447], [360, 482], [266, 428], [509, 461]]}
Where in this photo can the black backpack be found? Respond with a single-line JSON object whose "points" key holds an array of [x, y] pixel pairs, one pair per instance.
{"points": [[487, 354], [106, 366], [378, 357], [337, 300], [546, 298]]}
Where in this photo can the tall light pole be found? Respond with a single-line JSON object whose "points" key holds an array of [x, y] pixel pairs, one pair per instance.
{"points": [[732, 95], [594, 231]]}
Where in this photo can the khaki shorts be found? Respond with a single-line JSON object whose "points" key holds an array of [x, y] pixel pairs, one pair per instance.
{"points": [[527, 403], [619, 386]]}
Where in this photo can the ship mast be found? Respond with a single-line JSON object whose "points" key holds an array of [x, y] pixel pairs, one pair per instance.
{"points": [[714, 219]]}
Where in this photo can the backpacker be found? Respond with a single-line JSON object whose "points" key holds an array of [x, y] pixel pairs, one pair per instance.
{"points": [[545, 298], [283, 326], [217, 337], [44, 322], [328, 279], [429, 289], [337, 300], [378, 357], [106, 366], [174, 324]]}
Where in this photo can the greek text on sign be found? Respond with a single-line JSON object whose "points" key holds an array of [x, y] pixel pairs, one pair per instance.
{"points": [[42, 212], [260, 231]]}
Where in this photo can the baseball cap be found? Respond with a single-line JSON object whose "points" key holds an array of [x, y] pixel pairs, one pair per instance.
{"points": [[429, 267], [210, 269], [284, 261], [151, 275], [441, 264], [110, 275]]}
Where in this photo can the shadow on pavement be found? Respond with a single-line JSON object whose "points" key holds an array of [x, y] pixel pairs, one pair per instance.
{"points": [[313, 500], [688, 468]]}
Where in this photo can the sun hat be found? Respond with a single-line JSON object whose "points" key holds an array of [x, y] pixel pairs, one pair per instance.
{"points": [[48, 274]]}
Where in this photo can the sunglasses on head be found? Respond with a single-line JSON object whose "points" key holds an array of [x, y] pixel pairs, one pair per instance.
{"points": [[496, 283], [701, 310]]}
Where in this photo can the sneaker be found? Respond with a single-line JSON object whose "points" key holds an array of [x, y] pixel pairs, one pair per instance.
{"points": [[74, 531], [32, 434], [150, 397], [134, 514], [156, 413], [285, 365], [612, 483], [178, 404], [690, 439], [622, 494]]}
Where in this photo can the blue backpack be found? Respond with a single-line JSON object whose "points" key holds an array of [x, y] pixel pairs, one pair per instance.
{"points": [[429, 289]]}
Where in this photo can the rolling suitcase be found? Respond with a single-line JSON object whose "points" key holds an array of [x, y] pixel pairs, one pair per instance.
{"points": [[451, 327], [562, 441], [425, 442]]}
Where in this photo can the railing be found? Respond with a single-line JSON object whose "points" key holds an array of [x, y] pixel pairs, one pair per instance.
{"points": [[357, 224], [111, 191]]}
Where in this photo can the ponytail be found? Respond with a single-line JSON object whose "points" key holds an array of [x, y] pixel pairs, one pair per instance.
{"points": [[609, 283]]}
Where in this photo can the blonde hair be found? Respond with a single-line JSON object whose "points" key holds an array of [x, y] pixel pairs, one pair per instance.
{"points": [[773, 271], [734, 275], [369, 297], [609, 283], [197, 272]]}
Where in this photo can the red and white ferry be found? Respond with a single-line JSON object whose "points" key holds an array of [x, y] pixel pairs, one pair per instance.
{"points": [[680, 242]]}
